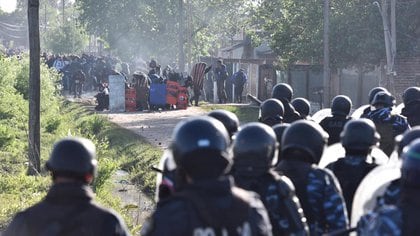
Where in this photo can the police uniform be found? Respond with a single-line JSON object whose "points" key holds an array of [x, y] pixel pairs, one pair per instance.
{"points": [[317, 189], [213, 207], [319, 195], [68, 209], [333, 125], [350, 171]]}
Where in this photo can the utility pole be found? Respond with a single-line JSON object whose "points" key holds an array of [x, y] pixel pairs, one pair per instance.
{"points": [[63, 4], [34, 88], [390, 38], [393, 33], [327, 76], [181, 56]]}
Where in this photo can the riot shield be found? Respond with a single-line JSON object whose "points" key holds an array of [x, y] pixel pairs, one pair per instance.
{"points": [[331, 154], [335, 151], [372, 186], [359, 111], [321, 114]]}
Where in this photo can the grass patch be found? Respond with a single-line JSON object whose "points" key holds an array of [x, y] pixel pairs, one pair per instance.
{"points": [[245, 113], [135, 154]]}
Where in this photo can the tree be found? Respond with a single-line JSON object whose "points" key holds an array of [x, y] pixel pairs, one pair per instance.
{"points": [[294, 29], [34, 88], [150, 28], [65, 40]]}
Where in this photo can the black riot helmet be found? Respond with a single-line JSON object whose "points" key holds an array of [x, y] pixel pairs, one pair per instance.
{"points": [[410, 169], [374, 91], [271, 112], [412, 94], [341, 105], [302, 106], [406, 138], [359, 135], [304, 136], [254, 149], [73, 157], [383, 98], [228, 119], [282, 91], [279, 131], [200, 147]]}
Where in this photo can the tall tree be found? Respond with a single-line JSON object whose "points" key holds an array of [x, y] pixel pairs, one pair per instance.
{"points": [[151, 28], [34, 88]]}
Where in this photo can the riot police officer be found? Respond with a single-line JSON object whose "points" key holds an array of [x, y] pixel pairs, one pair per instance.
{"points": [[254, 155], [411, 110], [317, 189], [284, 93], [68, 208], [208, 204], [333, 125], [302, 106], [371, 95], [388, 125], [228, 119], [358, 138], [392, 192], [401, 219], [271, 112]]}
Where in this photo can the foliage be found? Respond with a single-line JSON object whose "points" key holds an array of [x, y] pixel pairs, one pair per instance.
{"points": [[68, 39], [295, 30], [58, 119], [151, 28]]}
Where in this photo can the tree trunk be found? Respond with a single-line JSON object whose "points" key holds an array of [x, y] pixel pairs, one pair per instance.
{"points": [[34, 88]]}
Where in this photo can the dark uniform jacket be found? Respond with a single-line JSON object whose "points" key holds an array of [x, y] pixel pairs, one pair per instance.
{"points": [[333, 125], [212, 207], [68, 209], [320, 195], [350, 171], [278, 195]]}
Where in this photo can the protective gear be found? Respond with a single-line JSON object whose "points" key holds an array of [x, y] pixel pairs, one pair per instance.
{"points": [[410, 170], [341, 105], [228, 119], [198, 143], [73, 156], [306, 136], [359, 134], [254, 149], [68, 209], [406, 138], [319, 194], [383, 98], [271, 112], [302, 106], [411, 110], [282, 91], [279, 198], [210, 207], [410, 95], [374, 91]]}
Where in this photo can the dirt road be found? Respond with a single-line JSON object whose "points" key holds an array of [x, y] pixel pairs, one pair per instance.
{"points": [[156, 126]]}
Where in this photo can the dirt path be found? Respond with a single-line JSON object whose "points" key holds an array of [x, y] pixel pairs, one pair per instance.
{"points": [[156, 126]]}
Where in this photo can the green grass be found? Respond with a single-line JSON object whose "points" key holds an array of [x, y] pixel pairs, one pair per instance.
{"points": [[245, 113]]}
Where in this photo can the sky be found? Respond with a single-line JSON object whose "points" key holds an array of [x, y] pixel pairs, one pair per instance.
{"points": [[8, 5]]}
